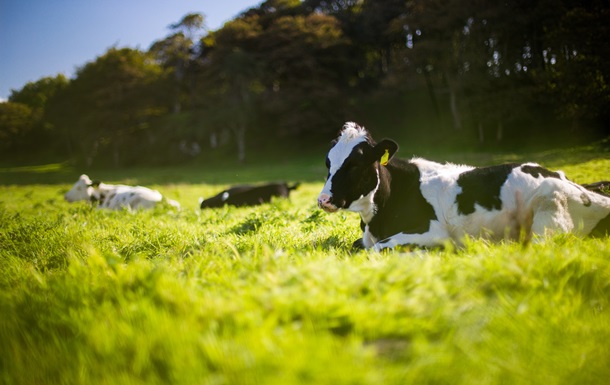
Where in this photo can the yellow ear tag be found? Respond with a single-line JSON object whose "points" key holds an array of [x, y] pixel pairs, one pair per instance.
{"points": [[385, 158]]}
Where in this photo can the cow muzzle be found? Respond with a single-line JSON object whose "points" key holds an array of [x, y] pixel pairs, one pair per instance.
{"points": [[324, 202]]}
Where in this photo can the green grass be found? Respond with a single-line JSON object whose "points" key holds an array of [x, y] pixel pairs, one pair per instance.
{"points": [[273, 294]]}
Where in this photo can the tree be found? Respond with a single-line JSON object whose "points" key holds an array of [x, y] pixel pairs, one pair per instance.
{"points": [[16, 122], [37, 96], [109, 105], [231, 74], [178, 52], [307, 67], [579, 78]]}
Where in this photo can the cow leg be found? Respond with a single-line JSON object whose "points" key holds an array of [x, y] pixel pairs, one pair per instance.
{"points": [[435, 237], [425, 240], [358, 245]]}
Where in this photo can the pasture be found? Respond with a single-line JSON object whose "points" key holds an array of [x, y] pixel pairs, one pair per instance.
{"points": [[274, 295]]}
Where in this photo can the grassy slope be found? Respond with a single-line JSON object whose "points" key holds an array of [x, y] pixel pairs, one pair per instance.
{"points": [[272, 295]]}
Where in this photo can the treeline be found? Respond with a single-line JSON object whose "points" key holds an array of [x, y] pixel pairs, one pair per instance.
{"points": [[467, 72]]}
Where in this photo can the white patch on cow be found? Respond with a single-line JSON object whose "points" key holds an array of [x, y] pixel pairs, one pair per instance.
{"points": [[225, 196], [368, 240], [434, 237]]}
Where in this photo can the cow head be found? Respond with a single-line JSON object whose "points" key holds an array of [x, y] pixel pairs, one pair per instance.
{"points": [[353, 163], [82, 190]]}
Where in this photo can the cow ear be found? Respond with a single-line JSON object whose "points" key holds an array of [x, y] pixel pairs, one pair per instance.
{"points": [[384, 151]]}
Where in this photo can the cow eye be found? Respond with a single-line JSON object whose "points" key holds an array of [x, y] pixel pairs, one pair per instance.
{"points": [[351, 165]]}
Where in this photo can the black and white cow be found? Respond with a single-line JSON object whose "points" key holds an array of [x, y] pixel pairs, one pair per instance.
{"points": [[602, 187], [247, 195], [422, 203], [115, 196]]}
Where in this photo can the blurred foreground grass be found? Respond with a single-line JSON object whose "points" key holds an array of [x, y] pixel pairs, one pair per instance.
{"points": [[273, 294]]}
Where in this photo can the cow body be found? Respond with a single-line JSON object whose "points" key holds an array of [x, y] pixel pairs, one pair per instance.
{"points": [[115, 197], [423, 203], [247, 195]]}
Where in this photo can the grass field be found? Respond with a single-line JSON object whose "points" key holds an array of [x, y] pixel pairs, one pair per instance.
{"points": [[274, 295]]}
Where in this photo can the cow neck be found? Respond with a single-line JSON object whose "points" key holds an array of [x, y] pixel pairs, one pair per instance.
{"points": [[97, 196], [99, 192], [383, 188], [377, 197]]}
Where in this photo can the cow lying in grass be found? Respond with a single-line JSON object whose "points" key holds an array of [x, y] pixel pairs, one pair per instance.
{"points": [[602, 187], [422, 203], [115, 197], [246, 195]]}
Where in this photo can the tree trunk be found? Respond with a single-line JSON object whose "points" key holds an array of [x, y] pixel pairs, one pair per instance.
{"points": [[239, 131], [431, 92], [90, 155], [500, 132], [179, 75], [213, 140], [455, 113], [116, 155]]}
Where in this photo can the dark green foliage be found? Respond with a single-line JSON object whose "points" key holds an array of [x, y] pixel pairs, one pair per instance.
{"points": [[455, 73]]}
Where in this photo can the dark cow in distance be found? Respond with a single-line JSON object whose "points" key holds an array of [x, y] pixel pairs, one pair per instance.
{"points": [[602, 187], [423, 203], [247, 195]]}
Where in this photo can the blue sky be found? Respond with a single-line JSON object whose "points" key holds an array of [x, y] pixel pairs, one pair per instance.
{"points": [[41, 38]]}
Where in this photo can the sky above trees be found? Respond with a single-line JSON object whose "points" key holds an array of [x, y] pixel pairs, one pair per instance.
{"points": [[41, 38]]}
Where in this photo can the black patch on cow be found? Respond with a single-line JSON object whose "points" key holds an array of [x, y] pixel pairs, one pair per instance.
{"points": [[537, 171], [362, 225], [401, 207], [99, 199], [482, 186], [358, 244], [585, 200], [602, 228]]}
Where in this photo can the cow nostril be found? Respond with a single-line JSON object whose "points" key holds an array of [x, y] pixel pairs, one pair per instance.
{"points": [[324, 199]]}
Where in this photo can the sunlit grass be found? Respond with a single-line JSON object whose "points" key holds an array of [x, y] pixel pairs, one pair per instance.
{"points": [[43, 168], [274, 295]]}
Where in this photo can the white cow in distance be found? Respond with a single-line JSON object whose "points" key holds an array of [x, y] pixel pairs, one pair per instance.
{"points": [[113, 196]]}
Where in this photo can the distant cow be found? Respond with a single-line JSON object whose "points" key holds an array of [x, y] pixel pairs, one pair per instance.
{"points": [[423, 203], [115, 197], [602, 187], [246, 195]]}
